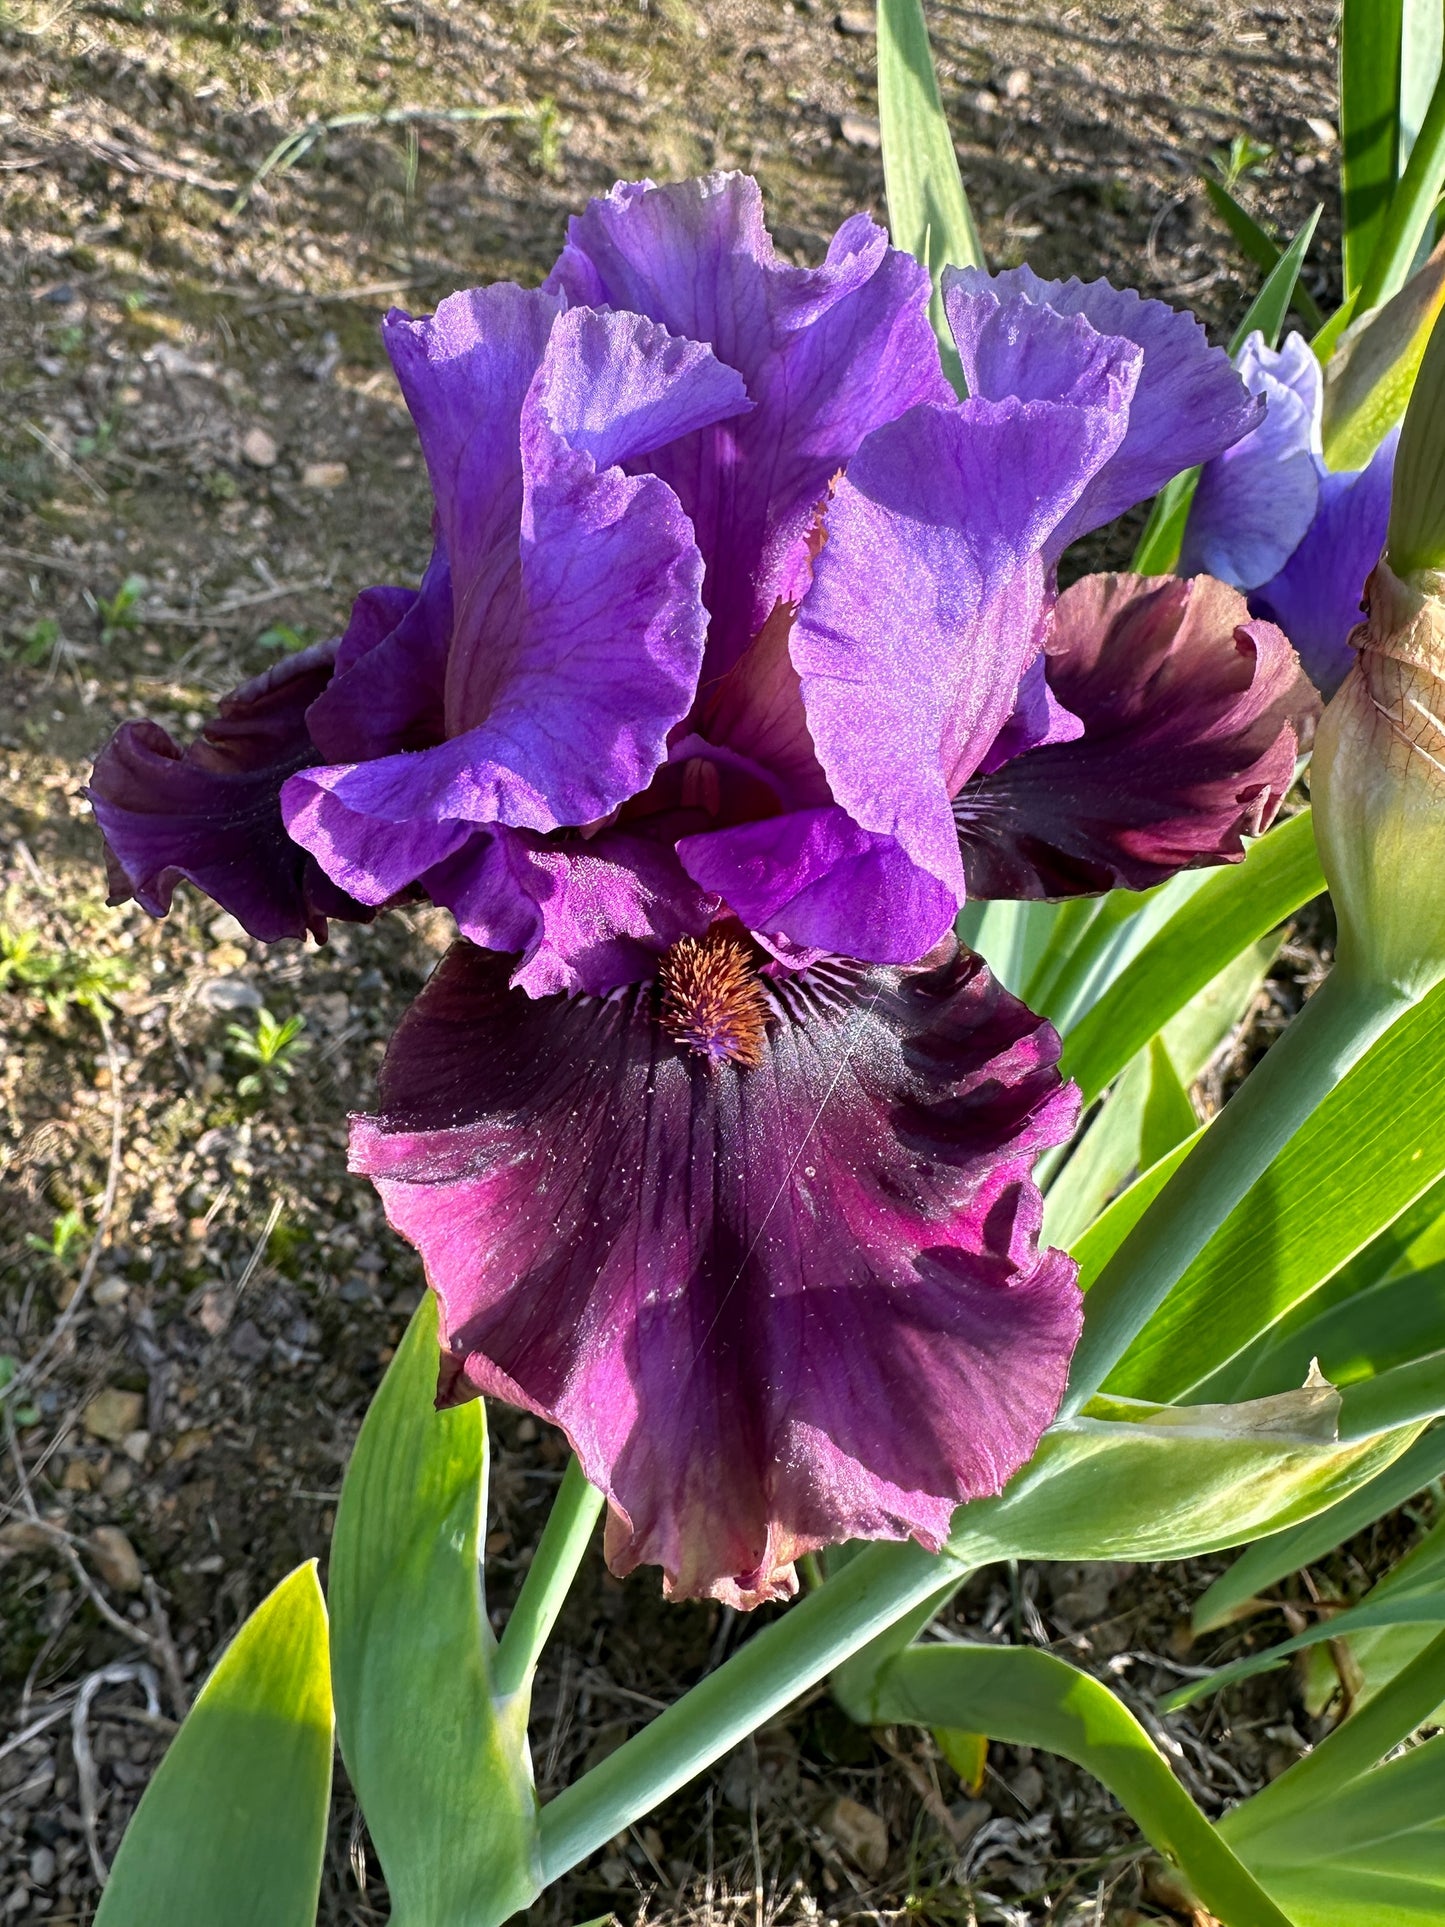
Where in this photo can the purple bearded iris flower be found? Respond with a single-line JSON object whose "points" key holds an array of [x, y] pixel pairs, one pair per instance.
{"points": [[1271, 518], [737, 665]]}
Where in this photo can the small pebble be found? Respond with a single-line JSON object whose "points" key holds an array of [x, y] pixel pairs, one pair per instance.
{"points": [[258, 448], [1017, 83], [118, 1481], [112, 1414], [325, 475], [42, 1867], [230, 993], [115, 1559], [862, 133], [248, 1344], [214, 1311], [861, 1833]]}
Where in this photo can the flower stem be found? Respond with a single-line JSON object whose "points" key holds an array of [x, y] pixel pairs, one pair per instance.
{"points": [[1334, 1030], [775, 1666], [559, 1553]]}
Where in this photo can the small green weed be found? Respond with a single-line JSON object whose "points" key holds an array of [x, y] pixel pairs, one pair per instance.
{"points": [[119, 612], [273, 1047], [1243, 156], [220, 485], [67, 1232], [282, 636], [35, 643], [102, 437], [25, 1414], [547, 138], [63, 980]]}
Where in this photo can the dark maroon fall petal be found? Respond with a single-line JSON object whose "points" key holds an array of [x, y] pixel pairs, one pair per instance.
{"points": [[1193, 716], [777, 1296], [211, 812]]}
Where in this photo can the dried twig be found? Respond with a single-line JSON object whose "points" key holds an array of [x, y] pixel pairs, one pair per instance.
{"points": [[34, 558], [85, 1774], [233, 608], [52, 1717], [273, 1218], [66, 460]]}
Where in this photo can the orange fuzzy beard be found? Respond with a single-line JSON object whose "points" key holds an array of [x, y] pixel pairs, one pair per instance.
{"points": [[712, 1000]]}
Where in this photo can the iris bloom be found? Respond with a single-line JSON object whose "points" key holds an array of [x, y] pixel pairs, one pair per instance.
{"points": [[737, 665], [1271, 519]]}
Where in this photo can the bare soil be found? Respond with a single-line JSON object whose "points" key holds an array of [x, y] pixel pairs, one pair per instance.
{"points": [[194, 396]]}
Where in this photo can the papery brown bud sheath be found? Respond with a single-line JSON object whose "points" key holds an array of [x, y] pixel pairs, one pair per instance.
{"points": [[1378, 784]]}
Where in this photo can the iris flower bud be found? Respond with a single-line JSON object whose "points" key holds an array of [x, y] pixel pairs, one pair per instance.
{"points": [[1378, 779]]}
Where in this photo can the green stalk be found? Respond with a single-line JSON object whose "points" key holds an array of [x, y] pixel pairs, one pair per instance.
{"points": [[782, 1661], [855, 1682], [1333, 1031], [1406, 1394], [559, 1553]]}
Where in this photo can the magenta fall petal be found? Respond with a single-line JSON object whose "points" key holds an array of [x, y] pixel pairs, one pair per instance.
{"points": [[772, 1308]]}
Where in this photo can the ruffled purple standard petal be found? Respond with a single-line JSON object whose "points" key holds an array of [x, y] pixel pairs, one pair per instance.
{"points": [[563, 710], [927, 604], [1192, 720], [465, 372], [814, 880], [584, 915], [539, 455], [389, 689], [828, 354], [772, 1308], [1255, 501], [211, 813], [1189, 404], [1316, 596]]}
